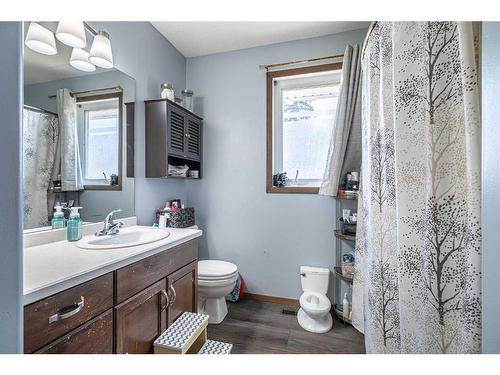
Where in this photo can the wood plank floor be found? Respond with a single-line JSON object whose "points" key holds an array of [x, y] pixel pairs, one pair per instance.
{"points": [[255, 327]]}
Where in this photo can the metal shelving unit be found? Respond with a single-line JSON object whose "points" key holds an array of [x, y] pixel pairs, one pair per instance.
{"points": [[343, 244], [338, 273]]}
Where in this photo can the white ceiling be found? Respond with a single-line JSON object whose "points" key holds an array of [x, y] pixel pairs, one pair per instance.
{"points": [[203, 38], [40, 68]]}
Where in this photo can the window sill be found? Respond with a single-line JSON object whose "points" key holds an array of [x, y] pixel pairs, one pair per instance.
{"points": [[292, 190], [103, 187]]}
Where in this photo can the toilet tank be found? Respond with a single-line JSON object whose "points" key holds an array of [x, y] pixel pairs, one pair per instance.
{"points": [[314, 279]]}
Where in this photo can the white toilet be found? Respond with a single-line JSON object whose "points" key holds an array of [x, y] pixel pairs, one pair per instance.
{"points": [[314, 313], [216, 279]]}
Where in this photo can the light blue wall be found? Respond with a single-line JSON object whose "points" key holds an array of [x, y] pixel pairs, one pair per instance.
{"points": [[267, 235], [140, 51], [96, 203], [11, 266], [491, 187]]}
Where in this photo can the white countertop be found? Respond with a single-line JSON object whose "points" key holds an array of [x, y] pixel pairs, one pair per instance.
{"points": [[52, 267]]}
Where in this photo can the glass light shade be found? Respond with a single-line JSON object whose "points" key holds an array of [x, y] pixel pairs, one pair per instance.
{"points": [[40, 39], [80, 60], [100, 52], [71, 33]]}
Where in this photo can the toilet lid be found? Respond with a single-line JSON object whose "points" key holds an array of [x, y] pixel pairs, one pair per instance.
{"points": [[215, 268]]}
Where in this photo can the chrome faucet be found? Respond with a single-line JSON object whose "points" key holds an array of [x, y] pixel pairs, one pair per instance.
{"points": [[110, 227]]}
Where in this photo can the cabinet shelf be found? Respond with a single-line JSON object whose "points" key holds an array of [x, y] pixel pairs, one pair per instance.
{"points": [[184, 178], [345, 237], [340, 316], [338, 274]]}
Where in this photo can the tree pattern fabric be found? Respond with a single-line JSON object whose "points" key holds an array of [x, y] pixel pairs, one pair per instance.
{"points": [[417, 279]]}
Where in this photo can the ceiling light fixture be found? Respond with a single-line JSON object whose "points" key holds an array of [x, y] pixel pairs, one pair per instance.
{"points": [[101, 54], [72, 33], [80, 60], [40, 39]]}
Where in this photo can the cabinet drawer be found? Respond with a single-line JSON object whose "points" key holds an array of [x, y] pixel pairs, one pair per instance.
{"points": [[54, 316], [139, 275], [93, 337]]}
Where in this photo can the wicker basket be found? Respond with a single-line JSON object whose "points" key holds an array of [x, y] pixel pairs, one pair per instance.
{"points": [[348, 269], [182, 218]]}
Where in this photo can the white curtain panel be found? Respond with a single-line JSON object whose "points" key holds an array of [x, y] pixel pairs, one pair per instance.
{"points": [[40, 137], [344, 152], [68, 150], [417, 279]]}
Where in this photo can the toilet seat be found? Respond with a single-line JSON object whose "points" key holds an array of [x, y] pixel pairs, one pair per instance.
{"points": [[218, 282], [315, 303], [216, 270], [220, 278]]}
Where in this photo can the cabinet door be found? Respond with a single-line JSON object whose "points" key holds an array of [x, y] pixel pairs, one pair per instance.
{"points": [[93, 337], [183, 291], [193, 138], [176, 141], [141, 319]]}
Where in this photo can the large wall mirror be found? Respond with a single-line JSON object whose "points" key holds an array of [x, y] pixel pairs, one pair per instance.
{"points": [[77, 137]]}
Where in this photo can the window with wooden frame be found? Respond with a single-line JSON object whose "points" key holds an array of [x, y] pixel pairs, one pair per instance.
{"points": [[100, 129], [301, 107]]}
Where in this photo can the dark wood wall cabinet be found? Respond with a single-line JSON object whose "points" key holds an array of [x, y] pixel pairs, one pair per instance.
{"points": [[173, 136], [123, 311]]}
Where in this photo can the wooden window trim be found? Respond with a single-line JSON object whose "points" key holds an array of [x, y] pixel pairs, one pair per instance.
{"points": [[269, 126], [119, 95]]}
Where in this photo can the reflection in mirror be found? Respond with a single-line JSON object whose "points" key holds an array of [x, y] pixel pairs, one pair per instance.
{"points": [[75, 134]]}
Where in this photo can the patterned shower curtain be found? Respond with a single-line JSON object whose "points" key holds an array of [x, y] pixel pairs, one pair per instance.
{"points": [[417, 279], [40, 137]]}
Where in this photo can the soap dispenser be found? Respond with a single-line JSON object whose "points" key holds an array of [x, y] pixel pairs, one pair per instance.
{"points": [[58, 219], [74, 230]]}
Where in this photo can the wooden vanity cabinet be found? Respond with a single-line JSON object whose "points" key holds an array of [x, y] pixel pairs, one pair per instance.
{"points": [[123, 311]]}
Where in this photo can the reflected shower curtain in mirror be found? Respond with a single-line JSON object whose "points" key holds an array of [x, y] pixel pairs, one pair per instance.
{"points": [[68, 151], [40, 137], [417, 280]]}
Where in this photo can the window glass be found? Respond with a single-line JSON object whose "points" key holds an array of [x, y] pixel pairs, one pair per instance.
{"points": [[308, 115], [102, 137], [99, 134]]}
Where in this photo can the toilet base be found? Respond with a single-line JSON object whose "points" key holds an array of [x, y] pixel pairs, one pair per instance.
{"points": [[215, 308], [317, 325]]}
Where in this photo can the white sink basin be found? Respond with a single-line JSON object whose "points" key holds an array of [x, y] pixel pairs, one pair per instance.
{"points": [[126, 238]]}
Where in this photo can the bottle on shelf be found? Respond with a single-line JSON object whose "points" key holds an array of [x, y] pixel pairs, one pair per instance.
{"points": [[345, 307]]}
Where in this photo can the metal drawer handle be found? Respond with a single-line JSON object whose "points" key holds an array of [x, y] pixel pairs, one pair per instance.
{"points": [[167, 299], [171, 287], [67, 312]]}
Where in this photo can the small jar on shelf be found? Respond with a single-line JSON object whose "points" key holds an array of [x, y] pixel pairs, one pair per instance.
{"points": [[167, 91], [187, 99]]}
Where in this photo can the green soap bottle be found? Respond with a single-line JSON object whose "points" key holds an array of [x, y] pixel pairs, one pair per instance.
{"points": [[74, 225], [58, 219]]}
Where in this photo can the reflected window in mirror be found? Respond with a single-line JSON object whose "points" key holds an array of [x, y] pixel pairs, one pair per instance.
{"points": [[100, 124]]}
